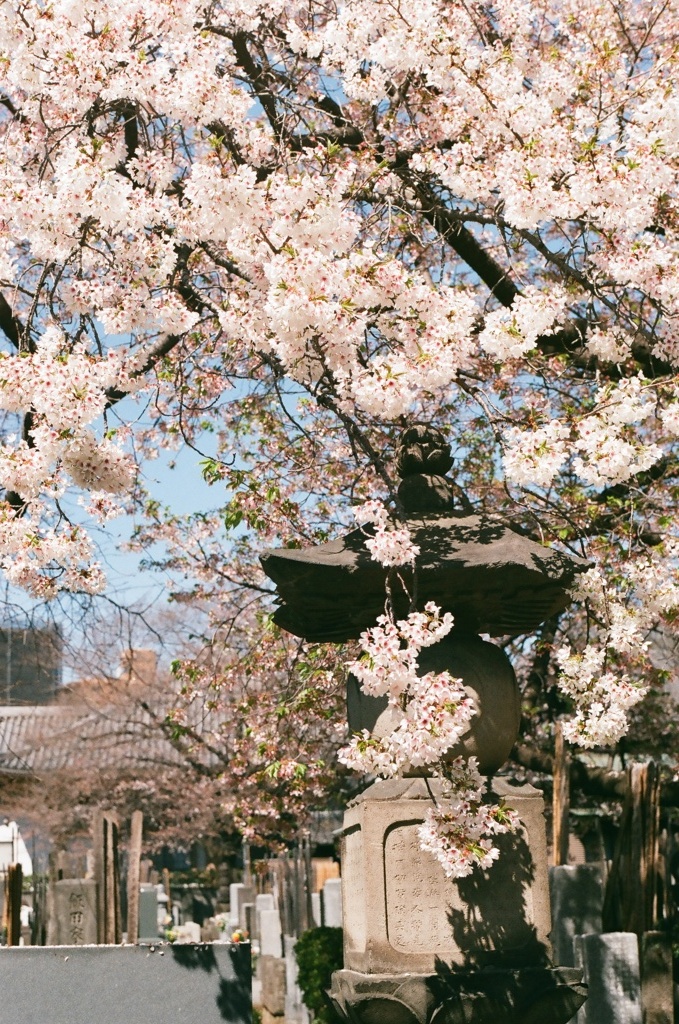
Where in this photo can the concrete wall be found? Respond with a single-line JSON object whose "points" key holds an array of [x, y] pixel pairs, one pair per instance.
{"points": [[202, 984]]}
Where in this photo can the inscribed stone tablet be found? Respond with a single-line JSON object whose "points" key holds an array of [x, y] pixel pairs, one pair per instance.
{"points": [[75, 912]]}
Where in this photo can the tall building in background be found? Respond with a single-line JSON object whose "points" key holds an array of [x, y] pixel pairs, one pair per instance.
{"points": [[30, 664]]}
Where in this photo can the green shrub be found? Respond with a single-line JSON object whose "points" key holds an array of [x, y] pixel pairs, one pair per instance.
{"points": [[318, 953]]}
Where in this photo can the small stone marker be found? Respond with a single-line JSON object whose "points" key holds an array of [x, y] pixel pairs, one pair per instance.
{"points": [[148, 913], [75, 912], [209, 984], [316, 910], [189, 932], [264, 901], [295, 1010], [331, 903], [270, 937], [576, 893], [272, 974], [611, 971], [657, 989], [239, 893], [248, 920]]}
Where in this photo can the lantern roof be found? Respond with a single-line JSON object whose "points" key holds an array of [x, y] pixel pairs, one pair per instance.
{"points": [[482, 568]]}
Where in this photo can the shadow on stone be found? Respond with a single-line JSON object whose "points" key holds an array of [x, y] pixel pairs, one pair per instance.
{"points": [[531, 995], [234, 998], [194, 957], [492, 927]]}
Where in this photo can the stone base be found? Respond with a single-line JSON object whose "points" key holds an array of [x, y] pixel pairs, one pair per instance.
{"points": [[402, 914], [532, 995]]}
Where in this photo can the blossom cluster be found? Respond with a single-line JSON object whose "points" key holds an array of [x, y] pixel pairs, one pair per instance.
{"points": [[459, 829], [600, 444], [429, 714], [602, 694], [388, 546]]}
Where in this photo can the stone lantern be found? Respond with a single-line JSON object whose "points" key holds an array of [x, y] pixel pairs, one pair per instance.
{"points": [[421, 948]]}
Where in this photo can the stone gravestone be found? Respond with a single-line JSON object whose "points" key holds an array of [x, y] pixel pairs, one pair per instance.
{"points": [[189, 932], [75, 912], [295, 1010], [611, 971], [272, 975], [576, 892], [657, 988], [148, 913], [248, 920], [331, 903], [238, 895], [209, 984], [263, 901], [316, 916], [270, 934]]}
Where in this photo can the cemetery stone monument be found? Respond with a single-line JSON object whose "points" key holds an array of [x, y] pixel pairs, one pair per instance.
{"points": [[419, 947], [75, 912]]}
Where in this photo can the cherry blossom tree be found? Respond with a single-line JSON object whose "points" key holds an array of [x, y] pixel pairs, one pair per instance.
{"points": [[209, 746], [293, 228]]}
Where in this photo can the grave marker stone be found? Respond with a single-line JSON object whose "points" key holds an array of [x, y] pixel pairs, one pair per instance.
{"points": [[270, 937], [272, 974], [657, 989], [331, 903], [611, 971], [75, 912], [295, 1010], [148, 913], [189, 932], [576, 894], [239, 893], [264, 901], [248, 920]]}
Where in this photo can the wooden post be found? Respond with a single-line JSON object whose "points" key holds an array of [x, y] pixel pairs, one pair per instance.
{"points": [[133, 876], [560, 799], [283, 895], [168, 890], [114, 931], [631, 898], [247, 865], [107, 875], [308, 878], [99, 872], [13, 886]]}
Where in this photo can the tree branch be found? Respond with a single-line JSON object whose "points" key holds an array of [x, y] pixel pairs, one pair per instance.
{"points": [[595, 782]]}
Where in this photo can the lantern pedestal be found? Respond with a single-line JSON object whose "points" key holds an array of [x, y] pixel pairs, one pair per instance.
{"points": [[532, 995], [419, 946], [401, 912]]}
